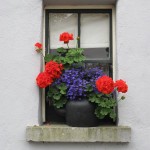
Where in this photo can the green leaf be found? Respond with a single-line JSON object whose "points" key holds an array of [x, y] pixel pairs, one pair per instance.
{"points": [[48, 57], [76, 59], [70, 61], [104, 111], [99, 95], [57, 96], [57, 59], [105, 108], [102, 103], [89, 88], [60, 103], [62, 86], [98, 113], [62, 92], [61, 50], [112, 115], [52, 91], [91, 99], [98, 100]]}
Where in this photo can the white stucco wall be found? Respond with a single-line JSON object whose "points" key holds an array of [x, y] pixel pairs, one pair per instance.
{"points": [[20, 28], [133, 59]]}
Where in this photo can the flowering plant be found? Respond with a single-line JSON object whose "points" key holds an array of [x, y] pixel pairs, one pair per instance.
{"points": [[67, 79]]}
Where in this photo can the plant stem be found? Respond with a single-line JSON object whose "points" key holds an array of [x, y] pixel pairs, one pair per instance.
{"points": [[119, 100], [67, 45], [41, 54], [77, 44], [78, 38]]}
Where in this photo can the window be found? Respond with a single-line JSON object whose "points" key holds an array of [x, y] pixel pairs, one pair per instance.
{"points": [[93, 26], [86, 24]]}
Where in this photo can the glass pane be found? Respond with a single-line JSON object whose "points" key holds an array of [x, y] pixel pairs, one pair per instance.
{"points": [[97, 53], [59, 23], [105, 67], [94, 30], [95, 36]]}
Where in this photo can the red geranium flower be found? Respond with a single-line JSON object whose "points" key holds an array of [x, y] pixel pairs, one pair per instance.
{"points": [[105, 85], [121, 86], [38, 47], [43, 80], [66, 37], [54, 69]]}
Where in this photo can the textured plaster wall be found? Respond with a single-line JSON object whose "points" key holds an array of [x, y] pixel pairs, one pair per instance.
{"points": [[133, 60], [20, 28]]}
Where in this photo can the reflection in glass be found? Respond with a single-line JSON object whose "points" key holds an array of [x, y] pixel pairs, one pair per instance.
{"points": [[94, 30], [104, 67], [97, 53], [59, 23]]}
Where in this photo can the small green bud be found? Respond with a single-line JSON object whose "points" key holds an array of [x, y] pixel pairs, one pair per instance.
{"points": [[122, 97], [78, 38]]}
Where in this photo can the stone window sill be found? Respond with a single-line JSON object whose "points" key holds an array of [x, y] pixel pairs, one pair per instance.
{"points": [[64, 133]]}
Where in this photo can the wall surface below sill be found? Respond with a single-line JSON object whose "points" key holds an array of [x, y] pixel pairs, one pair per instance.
{"points": [[64, 133]]}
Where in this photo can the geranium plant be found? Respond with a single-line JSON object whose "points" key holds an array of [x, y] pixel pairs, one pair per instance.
{"points": [[67, 79]]}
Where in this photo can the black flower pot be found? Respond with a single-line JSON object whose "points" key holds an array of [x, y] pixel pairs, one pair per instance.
{"points": [[81, 114], [61, 111]]}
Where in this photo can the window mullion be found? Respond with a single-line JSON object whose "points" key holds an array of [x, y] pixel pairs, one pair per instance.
{"points": [[79, 29], [110, 49]]}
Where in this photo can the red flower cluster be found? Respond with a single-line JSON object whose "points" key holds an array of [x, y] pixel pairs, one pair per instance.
{"points": [[38, 47], [43, 80], [66, 37], [105, 85], [52, 71], [121, 86]]}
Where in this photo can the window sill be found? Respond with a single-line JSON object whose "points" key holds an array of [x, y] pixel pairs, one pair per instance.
{"points": [[64, 133]]}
